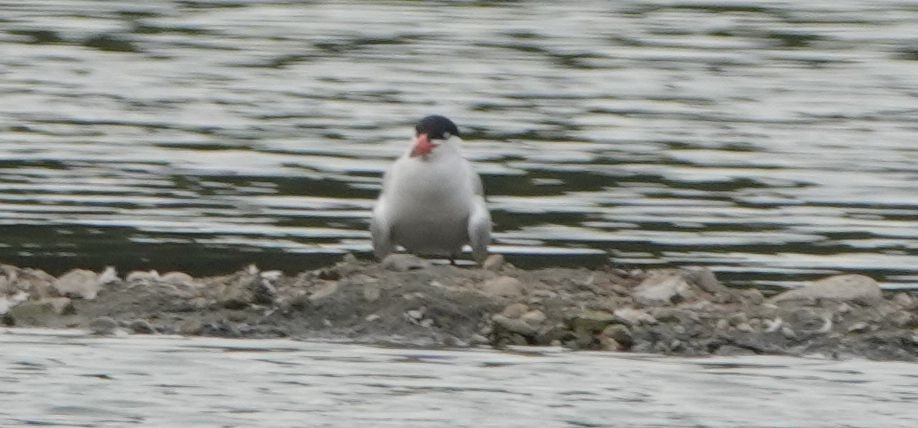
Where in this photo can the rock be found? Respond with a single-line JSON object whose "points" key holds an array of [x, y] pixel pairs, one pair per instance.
{"points": [[904, 300], [141, 276], [705, 279], [858, 327], [404, 263], [176, 278], [8, 302], [371, 293], [722, 324], [372, 318], [662, 289], [634, 317], [33, 312], [844, 288], [103, 326], [108, 276], [753, 295], [324, 292], [494, 262], [745, 327], [788, 332], [514, 325], [141, 327], [503, 286], [620, 334], [515, 310], [78, 283], [191, 327], [592, 321], [32, 282], [415, 314], [903, 319], [534, 317]]}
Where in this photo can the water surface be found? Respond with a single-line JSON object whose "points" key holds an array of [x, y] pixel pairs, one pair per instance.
{"points": [[55, 378], [773, 142]]}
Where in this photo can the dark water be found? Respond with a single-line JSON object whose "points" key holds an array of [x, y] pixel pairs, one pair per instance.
{"points": [[772, 141], [68, 379]]}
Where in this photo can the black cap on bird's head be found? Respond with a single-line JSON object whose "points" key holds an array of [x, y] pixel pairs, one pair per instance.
{"points": [[436, 127]]}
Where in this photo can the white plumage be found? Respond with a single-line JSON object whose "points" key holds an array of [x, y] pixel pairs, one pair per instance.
{"points": [[432, 204]]}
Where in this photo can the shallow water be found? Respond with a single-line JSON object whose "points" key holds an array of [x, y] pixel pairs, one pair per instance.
{"points": [[56, 378], [774, 142]]}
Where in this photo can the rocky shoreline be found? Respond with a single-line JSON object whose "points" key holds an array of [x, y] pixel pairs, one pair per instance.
{"points": [[409, 301]]}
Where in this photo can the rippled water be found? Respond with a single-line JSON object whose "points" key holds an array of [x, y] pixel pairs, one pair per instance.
{"points": [[773, 141], [68, 379]]}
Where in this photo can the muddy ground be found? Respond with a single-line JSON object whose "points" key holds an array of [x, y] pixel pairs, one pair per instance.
{"points": [[409, 301]]}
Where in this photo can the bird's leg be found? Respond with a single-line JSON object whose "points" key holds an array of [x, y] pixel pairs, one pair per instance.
{"points": [[452, 260]]}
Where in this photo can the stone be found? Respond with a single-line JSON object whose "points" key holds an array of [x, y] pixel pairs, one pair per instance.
{"points": [[662, 289], [141, 276], [191, 327], [904, 319], [514, 325], [858, 327], [515, 310], [705, 279], [504, 286], [494, 262], [634, 317], [904, 300], [141, 327], [722, 324], [33, 312], [324, 292], [371, 293], [404, 263], [843, 288], [534, 317], [177, 278], [592, 321], [788, 332], [620, 334], [753, 295], [103, 326], [78, 283], [372, 318]]}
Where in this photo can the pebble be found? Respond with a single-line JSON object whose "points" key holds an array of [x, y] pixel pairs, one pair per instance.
{"points": [[845, 288], [103, 326], [662, 289], [371, 293], [78, 283], [504, 286], [415, 314], [404, 263], [514, 325], [788, 332], [191, 327], [494, 262], [592, 321], [620, 334], [324, 292], [515, 310], [534, 317], [745, 328], [858, 327], [634, 317], [723, 324], [140, 326], [904, 300], [372, 317]]}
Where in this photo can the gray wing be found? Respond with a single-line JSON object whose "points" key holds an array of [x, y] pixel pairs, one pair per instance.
{"points": [[479, 219]]}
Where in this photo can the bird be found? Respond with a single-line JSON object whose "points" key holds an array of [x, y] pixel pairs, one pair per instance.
{"points": [[432, 201]]}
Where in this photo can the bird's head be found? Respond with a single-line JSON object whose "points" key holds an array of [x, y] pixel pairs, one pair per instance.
{"points": [[431, 132]]}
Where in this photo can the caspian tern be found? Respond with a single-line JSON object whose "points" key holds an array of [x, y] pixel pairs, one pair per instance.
{"points": [[432, 201]]}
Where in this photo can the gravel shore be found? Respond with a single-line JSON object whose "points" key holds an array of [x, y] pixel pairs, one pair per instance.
{"points": [[409, 301]]}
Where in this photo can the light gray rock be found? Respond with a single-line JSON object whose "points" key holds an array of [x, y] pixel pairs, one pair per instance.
{"points": [[592, 321], [371, 293], [663, 289], [619, 333], [103, 326], [33, 312], [517, 326], [494, 262], [140, 326], [324, 292], [904, 300], [534, 317], [504, 286], [844, 288], [515, 310], [404, 263], [79, 283], [634, 317]]}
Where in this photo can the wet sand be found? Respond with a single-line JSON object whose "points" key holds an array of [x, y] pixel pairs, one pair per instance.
{"points": [[411, 302]]}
